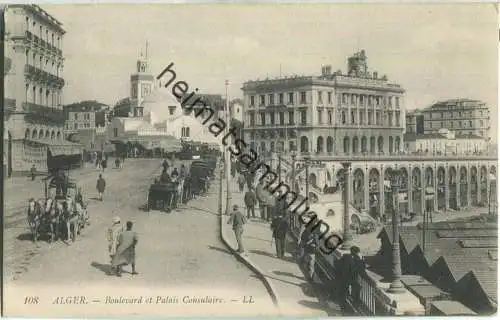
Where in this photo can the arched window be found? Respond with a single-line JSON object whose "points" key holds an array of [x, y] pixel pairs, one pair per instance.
{"points": [[319, 144], [27, 134], [58, 135], [53, 135], [34, 135]]}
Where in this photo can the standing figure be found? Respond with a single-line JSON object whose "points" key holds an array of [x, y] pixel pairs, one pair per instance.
{"points": [[250, 202], [241, 182], [261, 197], [125, 251], [238, 220], [279, 227], [104, 164], [112, 236], [308, 243], [349, 267], [101, 185], [33, 172], [165, 165]]}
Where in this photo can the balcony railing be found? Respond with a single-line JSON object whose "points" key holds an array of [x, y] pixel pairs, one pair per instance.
{"points": [[38, 74], [36, 113], [42, 43]]}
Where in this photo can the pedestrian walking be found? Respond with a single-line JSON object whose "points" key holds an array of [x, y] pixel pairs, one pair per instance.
{"points": [[261, 197], [241, 182], [125, 251], [350, 267], [279, 227], [250, 202], [112, 236], [309, 241], [238, 220], [165, 165], [104, 164], [101, 185], [33, 172]]}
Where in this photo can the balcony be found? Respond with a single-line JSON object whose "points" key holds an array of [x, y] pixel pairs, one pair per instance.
{"points": [[40, 114], [37, 74]]}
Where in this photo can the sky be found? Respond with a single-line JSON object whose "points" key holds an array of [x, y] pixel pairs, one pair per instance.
{"points": [[436, 52]]}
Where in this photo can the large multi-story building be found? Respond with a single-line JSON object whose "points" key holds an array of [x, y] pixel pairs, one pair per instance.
{"points": [[414, 122], [445, 142], [464, 116], [82, 121], [354, 113], [34, 89]]}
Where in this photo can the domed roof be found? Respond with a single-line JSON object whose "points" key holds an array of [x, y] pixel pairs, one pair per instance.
{"points": [[156, 106]]}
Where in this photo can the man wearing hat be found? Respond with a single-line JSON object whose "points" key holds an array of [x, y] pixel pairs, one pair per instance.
{"points": [[349, 267], [113, 234], [279, 226], [237, 219]]}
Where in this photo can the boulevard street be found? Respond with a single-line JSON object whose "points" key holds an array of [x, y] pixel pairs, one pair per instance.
{"points": [[177, 254]]}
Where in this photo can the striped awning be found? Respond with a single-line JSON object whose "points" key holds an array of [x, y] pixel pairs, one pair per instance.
{"points": [[60, 148]]}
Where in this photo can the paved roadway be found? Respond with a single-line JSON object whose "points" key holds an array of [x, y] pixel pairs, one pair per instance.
{"points": [[178, 254]]}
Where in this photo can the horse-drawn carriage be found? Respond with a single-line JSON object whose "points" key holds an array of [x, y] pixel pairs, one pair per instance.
{"points": [[59, 214], [165, 194], [161, 196]]}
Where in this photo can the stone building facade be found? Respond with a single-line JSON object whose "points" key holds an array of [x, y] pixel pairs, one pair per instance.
{"points": [[334, 113], [464, 116], [33, 114]]}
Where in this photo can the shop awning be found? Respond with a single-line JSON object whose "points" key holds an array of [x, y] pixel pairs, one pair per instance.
{"points": [[60, 148], [167, 143]]}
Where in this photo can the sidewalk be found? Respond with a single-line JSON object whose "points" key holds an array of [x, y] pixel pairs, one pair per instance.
{"points": [[284, 276]]}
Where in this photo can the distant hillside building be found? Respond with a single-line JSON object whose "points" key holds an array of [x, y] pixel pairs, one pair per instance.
{"points": [[464, 116]]}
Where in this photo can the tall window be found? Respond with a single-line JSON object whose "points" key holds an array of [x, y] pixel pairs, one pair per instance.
{"points": [[252, 119], [171, 110], [330, 117], [271, 99], [303, 97], [252, 100], [115, 132], [330, 97], [272, 118], [303, 117], [320, 97], [291, 119], [281, 98], [282, 118], [290, 98], [262, 100], [263, 118], [320, 116]]}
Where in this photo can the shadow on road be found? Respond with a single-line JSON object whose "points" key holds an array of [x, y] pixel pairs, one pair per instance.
{"points": [[220, 250], [270, 255], [105, 268], [25, 237], [287, 274]]}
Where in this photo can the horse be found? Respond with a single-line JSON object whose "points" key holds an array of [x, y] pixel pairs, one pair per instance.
{"points": [[53, 212], [34, 216], [70, 217]]}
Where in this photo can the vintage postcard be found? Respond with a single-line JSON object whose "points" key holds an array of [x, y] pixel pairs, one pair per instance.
{"points": [[248, 160]]}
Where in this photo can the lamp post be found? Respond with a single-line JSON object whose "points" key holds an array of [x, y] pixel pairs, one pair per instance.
{"points": [[221, 181], [396, 284], [228, 158], [306, 163], [292, 181], [346, 245]]}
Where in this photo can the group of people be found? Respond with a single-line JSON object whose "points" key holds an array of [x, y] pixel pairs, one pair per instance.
{"points": [[275, 209]]}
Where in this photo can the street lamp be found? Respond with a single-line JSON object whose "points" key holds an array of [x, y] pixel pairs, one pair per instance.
{"points": [[396, 284], [292, 181], [228, 157], [346, 245], [306, 163]]}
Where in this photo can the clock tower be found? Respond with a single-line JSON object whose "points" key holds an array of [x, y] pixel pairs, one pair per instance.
{"points": [[141, 84]]}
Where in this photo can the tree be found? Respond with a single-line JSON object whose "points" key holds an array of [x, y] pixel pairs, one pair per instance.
{"points": [[122, 108]]}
